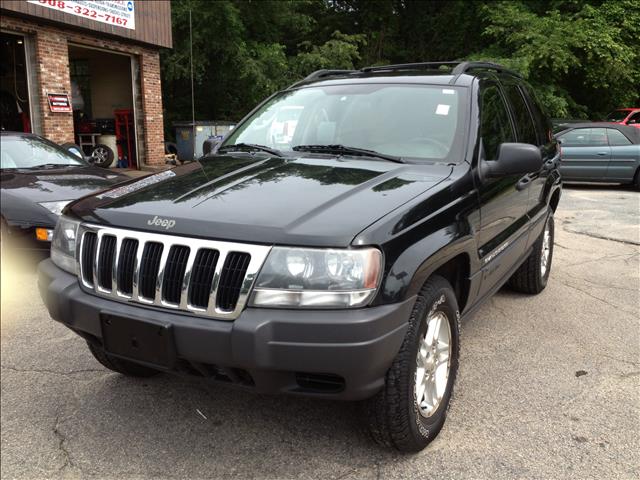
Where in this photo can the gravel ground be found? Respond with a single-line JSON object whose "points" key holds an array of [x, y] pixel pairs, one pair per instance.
{"points": [[548, 387]]}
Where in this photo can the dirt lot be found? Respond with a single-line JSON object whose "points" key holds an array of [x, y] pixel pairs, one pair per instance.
{"points": [[549, 387]]}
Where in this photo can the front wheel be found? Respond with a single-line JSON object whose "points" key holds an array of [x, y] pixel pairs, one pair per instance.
{"points": [[533, 274], [410, 410]]}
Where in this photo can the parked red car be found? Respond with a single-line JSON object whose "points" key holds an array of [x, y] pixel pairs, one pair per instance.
{"points": [[625, 116]]}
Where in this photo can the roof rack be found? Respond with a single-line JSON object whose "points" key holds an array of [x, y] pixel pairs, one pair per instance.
{"points": [[409, 66], [320, 74], [325, 73], [457, 68], [464, 67]]}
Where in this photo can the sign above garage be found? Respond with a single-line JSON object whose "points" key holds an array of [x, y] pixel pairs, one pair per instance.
{"points": [[59, 102], [120, 13]]}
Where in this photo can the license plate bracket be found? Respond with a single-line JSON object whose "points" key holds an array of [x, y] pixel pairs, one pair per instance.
{"points": [[147, 341]]}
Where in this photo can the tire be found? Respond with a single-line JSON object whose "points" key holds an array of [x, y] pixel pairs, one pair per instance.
{"points": [[636, 180], [531, 277], [130, 369], [170, 148], [393, 416], [101, 156]]}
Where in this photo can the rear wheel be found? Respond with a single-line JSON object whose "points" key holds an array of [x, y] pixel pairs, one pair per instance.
{"points": [[533, 274], [131, 369], [411, 408]]}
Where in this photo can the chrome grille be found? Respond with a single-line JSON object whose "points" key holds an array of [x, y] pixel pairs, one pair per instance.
{"points": [[206, 277]]}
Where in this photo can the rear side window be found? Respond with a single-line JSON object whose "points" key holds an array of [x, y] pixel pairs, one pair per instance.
{"points": [[634, 119], [495, 127], [616, 138], [585, 137], [540, 118], [524, 123]]}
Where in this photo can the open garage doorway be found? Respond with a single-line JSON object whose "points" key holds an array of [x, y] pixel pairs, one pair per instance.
{"points": [[103, 101], [14, 84]]}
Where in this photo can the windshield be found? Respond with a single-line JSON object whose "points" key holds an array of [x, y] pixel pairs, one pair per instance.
{"points": [[417, 122], [617, 116], [30, 152]]}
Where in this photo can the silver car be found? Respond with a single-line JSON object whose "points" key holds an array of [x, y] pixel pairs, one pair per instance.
{"points": [[600, 152]]}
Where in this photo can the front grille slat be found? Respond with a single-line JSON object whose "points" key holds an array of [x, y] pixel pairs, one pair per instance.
{"points": [[205, 277], [89, 244], [105, 261], [149, 267], [231, 278], [126, 264], [202, 274], [174, 273]]}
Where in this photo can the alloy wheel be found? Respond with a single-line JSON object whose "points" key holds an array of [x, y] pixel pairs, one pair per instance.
{"points": [[433, 364]]}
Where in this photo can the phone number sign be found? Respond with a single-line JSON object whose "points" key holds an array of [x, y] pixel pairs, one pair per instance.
{"points": [[113, 12]]}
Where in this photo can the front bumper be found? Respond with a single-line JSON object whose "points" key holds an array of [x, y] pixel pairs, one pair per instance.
{"points": [[340, 354]]}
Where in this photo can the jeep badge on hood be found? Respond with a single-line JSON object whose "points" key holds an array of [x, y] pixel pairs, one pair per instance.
{"points": [[162, 222]]}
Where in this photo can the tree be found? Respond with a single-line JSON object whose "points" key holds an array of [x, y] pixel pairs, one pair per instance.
{"points": [[581, 56], [583, 60]]}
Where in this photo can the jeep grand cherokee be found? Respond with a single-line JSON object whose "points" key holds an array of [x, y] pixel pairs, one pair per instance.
{"points": [[330, 255]]}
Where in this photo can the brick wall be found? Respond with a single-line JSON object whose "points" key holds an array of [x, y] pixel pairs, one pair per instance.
{"points": [[152, 106], [52, 71]]}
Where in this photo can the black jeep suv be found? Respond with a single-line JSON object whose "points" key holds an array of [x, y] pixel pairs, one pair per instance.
{"points": [[328, 247]]}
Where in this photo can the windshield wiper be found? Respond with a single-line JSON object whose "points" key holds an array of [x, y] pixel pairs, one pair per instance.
{"points": [[252, 146], [342, 149]]}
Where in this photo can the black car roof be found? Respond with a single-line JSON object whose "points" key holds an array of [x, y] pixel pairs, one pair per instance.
{"points": [[632, 133]]}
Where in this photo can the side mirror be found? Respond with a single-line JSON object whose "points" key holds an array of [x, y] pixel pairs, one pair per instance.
{"points": [[514, 159], [73, 150], [210, 145]]}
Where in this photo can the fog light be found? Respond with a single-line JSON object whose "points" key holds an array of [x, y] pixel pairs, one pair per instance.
{"points": [[44, 234]]}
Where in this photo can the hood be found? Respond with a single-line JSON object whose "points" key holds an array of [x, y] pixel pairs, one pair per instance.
{"points": [[321, 201], [23, 189]]}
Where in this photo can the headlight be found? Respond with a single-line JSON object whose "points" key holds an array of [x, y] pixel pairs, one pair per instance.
{"points": [[318, 278], [55, 207], [63, 245]]}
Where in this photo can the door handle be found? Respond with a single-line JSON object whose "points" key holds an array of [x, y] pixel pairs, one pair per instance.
{"points": [[601, 154]]}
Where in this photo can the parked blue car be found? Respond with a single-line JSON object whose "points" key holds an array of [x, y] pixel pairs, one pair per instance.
{"points": [[600, 152]]}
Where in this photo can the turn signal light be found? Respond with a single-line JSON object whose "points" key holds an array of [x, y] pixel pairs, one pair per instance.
{"points": [[44, 234]]}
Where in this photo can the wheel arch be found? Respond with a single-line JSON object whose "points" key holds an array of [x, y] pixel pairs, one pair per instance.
{"points": [[452, 261], [456, 272], [555, 199]]}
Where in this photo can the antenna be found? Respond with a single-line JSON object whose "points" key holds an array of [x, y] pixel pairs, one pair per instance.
{"points": [[193, 106]]}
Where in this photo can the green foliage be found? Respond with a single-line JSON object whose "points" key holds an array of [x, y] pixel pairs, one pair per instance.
{"points": [[581, 56], [340, 52]]}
